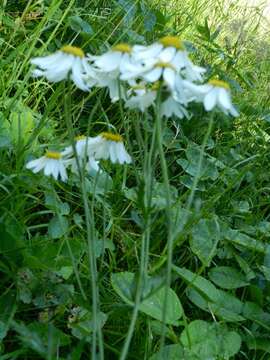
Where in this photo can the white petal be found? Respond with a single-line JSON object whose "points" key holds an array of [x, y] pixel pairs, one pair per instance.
{"points": [[210, 100], [153, 75], [123, 156], [49, 167], [55, 169], [145, 52], [62, 171], [167, 54], [233, 111], [33, 163], [224, 98], [37, 73], [169, 77], [113, 151], [76, 75], [109, 61], [46, 61], [92, 164]]}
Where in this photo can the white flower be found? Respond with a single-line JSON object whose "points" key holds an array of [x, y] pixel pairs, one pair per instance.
{"points": [[172, 107], [214, 93], [80, 145], [85, 158], [108, 68], [109, 146], [52, 163], [68, 60], [139, 97], [167, 57], [111, 81], [114, 59]]}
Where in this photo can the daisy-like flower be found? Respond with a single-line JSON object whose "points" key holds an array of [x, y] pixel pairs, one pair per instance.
{"points": [[109, 146], [85, 158], [114, 59], [81, 147], [168, 53], [109, 66], [68, 61], [52, 163], [140, 97], [214, 93], [172, 107]]}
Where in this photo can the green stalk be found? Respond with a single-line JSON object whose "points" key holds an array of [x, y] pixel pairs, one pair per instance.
{"points": [[166, 182], [144, 253], [162, 260], [90, 229]]}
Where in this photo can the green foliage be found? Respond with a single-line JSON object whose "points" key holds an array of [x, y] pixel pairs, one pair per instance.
{"points": [[152, 299], [217, 304]]}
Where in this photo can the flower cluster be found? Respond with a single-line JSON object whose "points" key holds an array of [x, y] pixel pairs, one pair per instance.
{"points": [[89, 150], [142, 76], [138, 74]]}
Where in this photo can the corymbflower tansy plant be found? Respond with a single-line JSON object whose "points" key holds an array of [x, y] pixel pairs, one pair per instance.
{"points": [[109, 146], [86, 159], [68, 61], [215, 93], [122, 68], [140, 76], [52, 163]]}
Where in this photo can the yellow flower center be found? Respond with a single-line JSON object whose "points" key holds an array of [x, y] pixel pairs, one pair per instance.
{"points": [[112, 137], [124, 48], [164, 65], [80, 137], [173, 41], [73, 50], [53, 155], [219, 83]]}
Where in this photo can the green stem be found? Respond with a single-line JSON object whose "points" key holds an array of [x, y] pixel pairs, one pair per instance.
{"points": [[166, 182], [145, 243], [162, 259], [90, 229]]}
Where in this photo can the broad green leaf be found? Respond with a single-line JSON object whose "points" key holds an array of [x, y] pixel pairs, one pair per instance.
{"points": [[258, 343], [3, 330], [204, 239], [204, 287], [159, 197], [58, 226], [227, 307], [207, 297], [81, 322], [21, 124], [125, 286], [227, 277], [170, 352], [210, 340], [239, 239], [188, 181], [255, 313], [65, 272], [209, 168]]}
